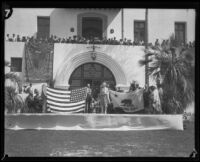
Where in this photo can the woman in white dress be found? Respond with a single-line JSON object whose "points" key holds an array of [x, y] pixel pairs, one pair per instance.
{"points": [[104, 98]]}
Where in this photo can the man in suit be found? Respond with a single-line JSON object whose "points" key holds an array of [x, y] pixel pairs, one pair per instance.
{"points": [[88, 98]]}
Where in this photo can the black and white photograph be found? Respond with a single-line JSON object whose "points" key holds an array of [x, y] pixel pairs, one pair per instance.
{"points": [[99, 82]]}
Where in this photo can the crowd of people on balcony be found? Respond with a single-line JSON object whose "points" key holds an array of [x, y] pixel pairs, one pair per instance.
{"points": [[74, 39], [95, 40]]}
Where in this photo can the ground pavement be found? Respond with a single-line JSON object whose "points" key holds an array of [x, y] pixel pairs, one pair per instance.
{"points": [[162, 143]]}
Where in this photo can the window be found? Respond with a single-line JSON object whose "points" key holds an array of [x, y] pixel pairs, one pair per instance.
{"points": [[139, 31], [43, 27], [92, 27], [180, 32], [16, 64]]}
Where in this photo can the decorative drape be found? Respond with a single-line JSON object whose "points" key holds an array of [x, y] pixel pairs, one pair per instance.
{"points": [[38, 61]]}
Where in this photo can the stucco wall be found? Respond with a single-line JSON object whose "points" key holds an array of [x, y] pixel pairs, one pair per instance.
{"points": [[24, 21], [14, 49], [161, 21], [127, 57], [63, 19], [129, 16]]}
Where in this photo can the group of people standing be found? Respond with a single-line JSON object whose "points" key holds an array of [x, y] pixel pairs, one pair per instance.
{"points": [[103, 99], [34, 101], [152, 98]]}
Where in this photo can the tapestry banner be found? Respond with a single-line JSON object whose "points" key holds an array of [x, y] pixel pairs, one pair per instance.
{"points": [[38, 61]]}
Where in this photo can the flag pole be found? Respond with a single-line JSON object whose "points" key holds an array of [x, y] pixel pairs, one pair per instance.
{"points": [[146, 47]]}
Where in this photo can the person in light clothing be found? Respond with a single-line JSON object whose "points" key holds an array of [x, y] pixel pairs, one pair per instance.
{"points": [[104, 97], [155, 101]]}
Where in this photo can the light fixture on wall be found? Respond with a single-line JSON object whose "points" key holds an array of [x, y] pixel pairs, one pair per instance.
{"points": [[72, 30], [111, 31], [93, 56]]}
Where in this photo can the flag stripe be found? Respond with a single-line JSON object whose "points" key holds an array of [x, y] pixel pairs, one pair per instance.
{"points": [[70, 112], [54, 100], [58, 99], [58, 95], [64, 98], [58, 91], [65, 105], [68, 109]]}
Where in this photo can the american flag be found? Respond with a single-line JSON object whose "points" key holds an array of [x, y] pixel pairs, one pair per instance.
{"points": [[65, 100]]}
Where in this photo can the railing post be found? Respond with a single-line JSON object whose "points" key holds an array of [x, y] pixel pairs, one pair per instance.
{"points": [[146, 47], [122, 23]]}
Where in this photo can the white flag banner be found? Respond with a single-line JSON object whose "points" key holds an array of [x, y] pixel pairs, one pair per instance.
{"points": [[130, 101]]}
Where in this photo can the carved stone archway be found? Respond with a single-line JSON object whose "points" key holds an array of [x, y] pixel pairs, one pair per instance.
{"points": [[68, 66]]}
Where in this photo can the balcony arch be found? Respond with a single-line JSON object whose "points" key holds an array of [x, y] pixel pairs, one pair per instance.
{"points": [[68, 66]]}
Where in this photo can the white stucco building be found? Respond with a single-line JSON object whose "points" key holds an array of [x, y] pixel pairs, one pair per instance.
{"points": [[117, 63], [161, 22]]}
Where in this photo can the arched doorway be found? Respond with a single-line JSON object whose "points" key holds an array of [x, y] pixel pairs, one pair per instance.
{"points": [[92, 27], [92, 73], [64, 71]]}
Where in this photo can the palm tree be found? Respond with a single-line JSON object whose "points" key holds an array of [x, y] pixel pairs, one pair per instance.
{"points": [[174, 66], [13, 85]]}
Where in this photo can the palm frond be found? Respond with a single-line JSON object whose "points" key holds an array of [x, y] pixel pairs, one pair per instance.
{"points": [[149, 54], [15, 78], [177, 72], [144, 62]]}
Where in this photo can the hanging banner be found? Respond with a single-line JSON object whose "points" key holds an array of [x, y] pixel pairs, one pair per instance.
{"points": [[38, 61]]}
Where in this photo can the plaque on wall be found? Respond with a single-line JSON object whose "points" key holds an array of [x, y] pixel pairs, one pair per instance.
{"points": [[76, 83]]}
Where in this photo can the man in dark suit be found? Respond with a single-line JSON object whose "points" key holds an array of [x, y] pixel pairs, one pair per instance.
{"points": [[88, 99]]}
